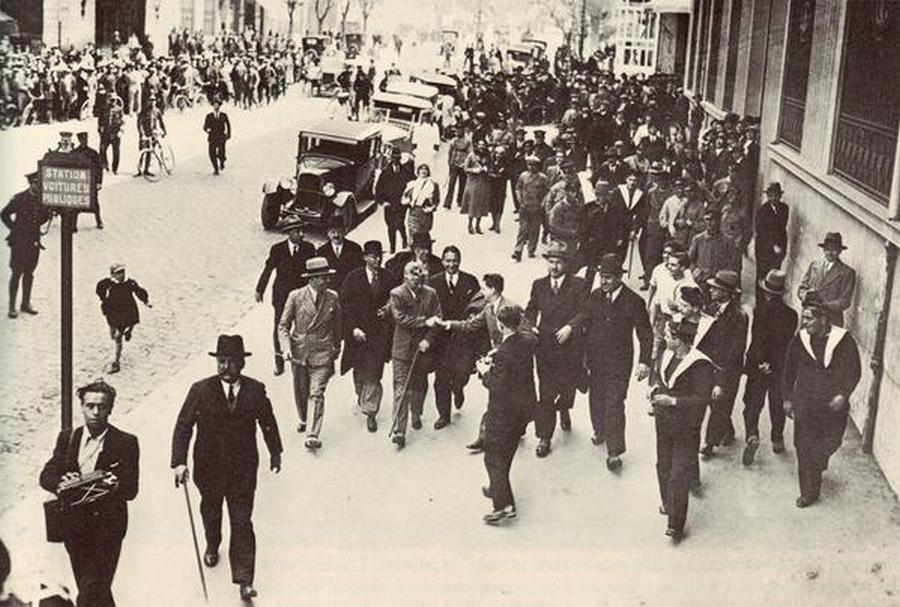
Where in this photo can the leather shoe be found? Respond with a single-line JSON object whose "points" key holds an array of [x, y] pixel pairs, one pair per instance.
{"points": [[371, 424], [441, 422], [301, 427], [728, 439], [597, 440], [674, 533], [312, 443], [476, 445], [210, 557], [778, 446], [459, 399], [486, 492], [543, 448], [614, 463], [247, 592], [707, 451], [399, 440], [804, 501], [565, 421], [750, 450], [29, 310], [417, 422]]}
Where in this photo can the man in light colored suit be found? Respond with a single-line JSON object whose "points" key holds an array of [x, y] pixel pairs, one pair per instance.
{"points": [[416, 309], [310, 331], [831, 278]]}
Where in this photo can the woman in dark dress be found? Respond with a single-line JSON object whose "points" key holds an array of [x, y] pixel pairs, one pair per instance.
{"points": [[119, 307], [498, 176]]}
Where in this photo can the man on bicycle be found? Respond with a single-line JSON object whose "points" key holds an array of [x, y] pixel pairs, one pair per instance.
{"points": [[151, 128]]}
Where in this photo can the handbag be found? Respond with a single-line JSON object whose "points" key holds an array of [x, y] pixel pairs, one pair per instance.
{"points": [[56, 511]]}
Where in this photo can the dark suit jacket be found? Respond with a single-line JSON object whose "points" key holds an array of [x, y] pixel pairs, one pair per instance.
{"points": [[774, 324], [350, 259], [119, 455], [218, 130], [605, 230], [225, 449], [609, 329], [510, 383], [288, 270], [691, 383], [549, 313], [771, 230], [724, 343], [391, 184], [360, 305], [455, 348]]}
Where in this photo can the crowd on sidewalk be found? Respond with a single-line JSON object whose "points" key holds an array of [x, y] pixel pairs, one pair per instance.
{"points": [[634, 166]]}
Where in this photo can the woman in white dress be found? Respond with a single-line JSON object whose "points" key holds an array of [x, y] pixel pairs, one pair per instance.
{"points": [[422, 196]]}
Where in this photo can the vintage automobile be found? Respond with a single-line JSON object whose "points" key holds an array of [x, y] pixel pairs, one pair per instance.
{"points": [[314, 46], [536, 43], [519, 56], [426, 92], [336, 163], [353, 44], [403, 113], [446, 85]]}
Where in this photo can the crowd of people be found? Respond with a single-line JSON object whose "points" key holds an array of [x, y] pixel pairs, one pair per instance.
{"points": [[636, 174]]}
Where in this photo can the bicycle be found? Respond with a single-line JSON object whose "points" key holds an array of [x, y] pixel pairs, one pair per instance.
{"points": [[156, 158], [185, 98]]}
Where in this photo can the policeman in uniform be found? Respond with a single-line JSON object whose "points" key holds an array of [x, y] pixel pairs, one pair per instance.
{"points": [[24, 215]]}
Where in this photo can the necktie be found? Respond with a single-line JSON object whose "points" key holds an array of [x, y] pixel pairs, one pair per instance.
{"points": [[609, 297], [555, 286], [374, 284], [231, 398], [318, 299]]}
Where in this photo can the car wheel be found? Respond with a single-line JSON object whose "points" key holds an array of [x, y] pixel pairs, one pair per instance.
{"points": [[270, 212]]}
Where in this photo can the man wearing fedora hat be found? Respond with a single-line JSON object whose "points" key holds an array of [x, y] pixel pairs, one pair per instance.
{"points": [[722, 337], [770, 242], [420, 246], [821, 371], [774, 324], [343, 254], [367, 330], [612, 315], [311, 331], [554, 307], [831, 278], [287, 259], [24, 215], [226, 408], [531, 188], [389, 191]]}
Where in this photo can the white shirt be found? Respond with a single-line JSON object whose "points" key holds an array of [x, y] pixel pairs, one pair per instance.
{"points": [[90, 450], [668, 289], [370, 276], [612, 296], [556, 283], [451, 280], [237, 388], [337, 249], [292, 248]]}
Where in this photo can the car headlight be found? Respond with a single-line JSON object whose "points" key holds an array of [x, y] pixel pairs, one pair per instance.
{"points": [[328, 189]]}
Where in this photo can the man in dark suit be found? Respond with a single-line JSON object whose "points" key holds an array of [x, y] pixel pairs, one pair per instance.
{"points": [[553, 307], [605, 229], [24, 215], [389, 191], [722, 337], [508, 374], [419, 250], [226, 409], [770, 244], [218, 131], [343, 255], [453, 350], [95, 530], [367, 330], [93, 157], [611, 316], [831, 278], [288, 260], [635, 201], [774, 324]]}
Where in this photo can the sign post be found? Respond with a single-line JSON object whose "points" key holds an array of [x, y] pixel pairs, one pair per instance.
{"points": [[67, 186]]}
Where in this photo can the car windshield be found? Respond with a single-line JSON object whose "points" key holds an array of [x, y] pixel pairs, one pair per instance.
{"points": [[317, 145]]}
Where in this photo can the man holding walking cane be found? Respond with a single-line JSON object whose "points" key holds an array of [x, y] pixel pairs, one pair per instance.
{"points": [[226, 408]]}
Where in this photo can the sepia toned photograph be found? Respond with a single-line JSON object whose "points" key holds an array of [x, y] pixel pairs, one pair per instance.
{"points": [[450, 303]]}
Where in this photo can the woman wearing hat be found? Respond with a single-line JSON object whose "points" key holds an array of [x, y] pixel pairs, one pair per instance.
{"points": [[477, 198], [422, 197], [117, 302]]}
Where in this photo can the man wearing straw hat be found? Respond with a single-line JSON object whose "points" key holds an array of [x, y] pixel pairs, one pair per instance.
{"points": [[311, 331], [774, 324], [226, 408], [831, 278]]}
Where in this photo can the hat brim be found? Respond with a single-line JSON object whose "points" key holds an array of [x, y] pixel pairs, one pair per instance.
{"points": [[764, 287], [318, 273], [217, 354], [556, 255], [715, 283], [827, 245], [620, 271]]}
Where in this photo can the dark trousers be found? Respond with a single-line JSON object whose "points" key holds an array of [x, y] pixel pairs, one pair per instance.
{"points": [[456, 181], [27, 279], [499, 451], [556, 393], [759, 385], [676, 462], [115, 143], [238, 494], [816, 437], [217, 154], [278, 311], [607, 403], [395, 219], [94, 559], [650, 246], [448, 384], [497, 201], [529, 231], [719, 427]]}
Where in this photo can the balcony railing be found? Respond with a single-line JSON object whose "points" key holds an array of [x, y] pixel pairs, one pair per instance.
{"points": [[790, 121], [864, 154]]}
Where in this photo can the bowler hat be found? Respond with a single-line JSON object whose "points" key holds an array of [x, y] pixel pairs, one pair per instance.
{"points": [[774, 187], [335, 222], [833, 240], [727, 280], [291, 224], [230, 345], [610, 263], [557, 250], [317, 266], [773, 282], [373, 247], [422, 240]]}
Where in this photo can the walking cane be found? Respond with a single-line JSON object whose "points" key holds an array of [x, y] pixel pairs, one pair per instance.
{"points": [[630, 254], [187, 500]]}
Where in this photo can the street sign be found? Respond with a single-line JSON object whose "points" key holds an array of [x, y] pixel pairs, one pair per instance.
{"points": [[67, 181]]}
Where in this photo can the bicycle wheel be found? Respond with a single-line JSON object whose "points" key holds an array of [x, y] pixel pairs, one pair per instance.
{"points": [[149, 163], [182, 103], [166, 158]]}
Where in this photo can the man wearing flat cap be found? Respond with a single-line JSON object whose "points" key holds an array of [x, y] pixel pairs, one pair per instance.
{"points": [[531, 188], [770, 242], [367, 330], [226, 409], [310, 332], [821, 371], [774, 324], [831, 278], [24, 215], [711, 250], [287, 259]]}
